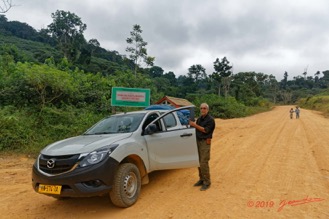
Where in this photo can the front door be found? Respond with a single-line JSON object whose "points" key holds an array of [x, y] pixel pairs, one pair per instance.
{"points": [[174, 147]]}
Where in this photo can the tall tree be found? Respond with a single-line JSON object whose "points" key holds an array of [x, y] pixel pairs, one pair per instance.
{"points": [[222, 74], [197, 72], [284, 81], [171, 77], [5, 5], [185, 85], [93, 45], [67, 28], [286, 96], [316, 78], [156, 71], [325, 75], [273, 87], [138, 49]]}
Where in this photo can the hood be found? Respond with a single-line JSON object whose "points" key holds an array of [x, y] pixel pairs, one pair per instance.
{"points": [[82, 144]]}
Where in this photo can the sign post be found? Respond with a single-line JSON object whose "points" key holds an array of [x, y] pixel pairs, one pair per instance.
{"points": [[134, 97]]}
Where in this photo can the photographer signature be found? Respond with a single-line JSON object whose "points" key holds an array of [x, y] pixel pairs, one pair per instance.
{"points": [[283, 203]]}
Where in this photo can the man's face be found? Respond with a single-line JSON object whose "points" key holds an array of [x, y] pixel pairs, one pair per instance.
{"points": [[204, 110]]}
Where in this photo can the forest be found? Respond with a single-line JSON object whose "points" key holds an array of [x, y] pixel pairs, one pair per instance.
{"points": [[54, 83]]}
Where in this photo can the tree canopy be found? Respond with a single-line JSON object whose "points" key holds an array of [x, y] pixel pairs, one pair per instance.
{"points": [[67, 29], [68, 56], [138, 49]]}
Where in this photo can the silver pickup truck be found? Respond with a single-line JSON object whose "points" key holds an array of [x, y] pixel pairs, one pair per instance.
{"points": [[115, 156]]}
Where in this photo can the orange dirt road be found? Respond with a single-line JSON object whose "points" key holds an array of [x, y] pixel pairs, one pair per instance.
{"points": [[263, 166]]}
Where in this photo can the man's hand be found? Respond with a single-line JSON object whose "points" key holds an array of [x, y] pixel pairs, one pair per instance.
{"points": [[191, 123], [200, 128]]}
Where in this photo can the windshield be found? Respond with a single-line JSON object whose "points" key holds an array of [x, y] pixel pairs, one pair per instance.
{"points": [[117, 124]]}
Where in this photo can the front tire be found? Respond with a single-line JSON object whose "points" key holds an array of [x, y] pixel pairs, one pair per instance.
{"points": [[126, 186]]}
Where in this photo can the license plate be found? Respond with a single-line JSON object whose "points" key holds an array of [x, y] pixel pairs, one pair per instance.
{"points": [[50, 189]]}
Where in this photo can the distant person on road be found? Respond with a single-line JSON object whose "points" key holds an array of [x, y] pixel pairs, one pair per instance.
{"points": [[297, 111], [291, 113], [205, 126]]}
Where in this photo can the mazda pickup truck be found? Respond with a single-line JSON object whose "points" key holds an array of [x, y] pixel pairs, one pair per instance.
{"points": [[115, 156]]}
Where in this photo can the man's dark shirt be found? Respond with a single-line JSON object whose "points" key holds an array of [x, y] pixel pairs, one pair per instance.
{"points": [[208, 123]]}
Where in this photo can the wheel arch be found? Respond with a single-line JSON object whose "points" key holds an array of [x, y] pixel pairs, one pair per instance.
{"points": [[136, 160]]}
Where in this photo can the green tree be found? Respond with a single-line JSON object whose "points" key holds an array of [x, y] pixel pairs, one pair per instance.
{"points": [[222, 75], [156, 71], [12, 50], [247, 85], [22, 30], [92, 90], [46, 83], [325, 78], [7, 65], [7, 59], [171, 77], [284, 81], [197, 73], [3, 20], [93, 44], [67, 28], [185, 85], [273, 88], [316, 78], [138, 49], [163, 85], [286, 96]]}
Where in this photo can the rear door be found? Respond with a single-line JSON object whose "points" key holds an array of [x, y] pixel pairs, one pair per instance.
{"points": [[173, 146]]}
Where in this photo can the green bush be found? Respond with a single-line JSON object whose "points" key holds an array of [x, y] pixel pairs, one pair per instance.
{"points": [[15, 129], [228, 108], [225, 108], [29, 130], [220, 107], [319, 103]]}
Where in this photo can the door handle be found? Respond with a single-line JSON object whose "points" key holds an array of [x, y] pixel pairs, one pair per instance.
{"points": [[186, 134]]}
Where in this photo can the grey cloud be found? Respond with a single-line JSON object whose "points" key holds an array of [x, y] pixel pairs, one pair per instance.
{"points": [[271, 36]]}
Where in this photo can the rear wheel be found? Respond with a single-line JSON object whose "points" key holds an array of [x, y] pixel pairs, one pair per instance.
{"points": [[126, 186]]}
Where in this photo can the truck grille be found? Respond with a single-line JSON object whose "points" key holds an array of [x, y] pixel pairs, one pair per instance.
{"points": [[57, 164]]}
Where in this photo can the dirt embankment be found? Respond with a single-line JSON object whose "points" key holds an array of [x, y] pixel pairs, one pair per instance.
{"points": [[263, 166]]}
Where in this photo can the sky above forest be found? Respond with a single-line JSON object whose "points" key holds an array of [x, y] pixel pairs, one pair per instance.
{"points": [[270, 37]]}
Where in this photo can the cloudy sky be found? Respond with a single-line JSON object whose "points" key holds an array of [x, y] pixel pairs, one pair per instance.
{"points": [[267, 36]]}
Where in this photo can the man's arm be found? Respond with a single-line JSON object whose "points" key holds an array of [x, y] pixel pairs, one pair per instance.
{"points": [[198, 127]]}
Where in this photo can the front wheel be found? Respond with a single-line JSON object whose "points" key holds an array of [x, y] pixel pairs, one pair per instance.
{"points": [[126, 186]]}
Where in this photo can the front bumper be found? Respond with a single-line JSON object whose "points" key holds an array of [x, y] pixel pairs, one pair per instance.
{"points": [[88, 181]]}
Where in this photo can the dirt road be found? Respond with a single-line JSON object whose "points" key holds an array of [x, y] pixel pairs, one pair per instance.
{"points": [[263, 166]]}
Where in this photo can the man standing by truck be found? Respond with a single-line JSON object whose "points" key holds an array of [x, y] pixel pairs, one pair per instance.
{"points": [[205, 126]]}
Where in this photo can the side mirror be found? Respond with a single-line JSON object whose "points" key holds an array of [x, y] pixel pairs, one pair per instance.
{"points": [[151, 129]]}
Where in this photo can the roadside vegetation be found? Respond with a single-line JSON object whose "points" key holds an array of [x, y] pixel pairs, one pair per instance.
{"points": [[318, 102], [55, 85]]}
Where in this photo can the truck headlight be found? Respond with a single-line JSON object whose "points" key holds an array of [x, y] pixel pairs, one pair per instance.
{"points": [[96, 156]]}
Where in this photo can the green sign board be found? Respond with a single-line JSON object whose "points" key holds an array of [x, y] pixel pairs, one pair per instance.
{"points": [[137, 97]]}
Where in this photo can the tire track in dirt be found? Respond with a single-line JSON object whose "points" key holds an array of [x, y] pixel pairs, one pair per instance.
{"points": [[317, 135]]}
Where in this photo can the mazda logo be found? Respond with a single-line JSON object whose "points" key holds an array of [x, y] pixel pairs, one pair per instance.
{"points": [[51, 163]]}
